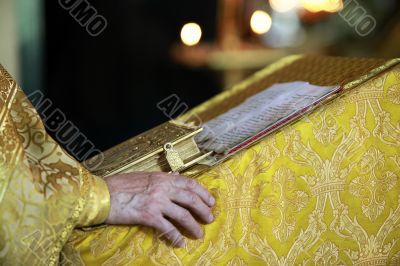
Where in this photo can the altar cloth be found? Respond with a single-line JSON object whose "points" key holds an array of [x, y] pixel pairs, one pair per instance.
{"points": [[323, 190]]}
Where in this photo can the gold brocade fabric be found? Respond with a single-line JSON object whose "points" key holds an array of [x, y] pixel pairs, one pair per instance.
{"points": [[322, 191], [44, 193]]}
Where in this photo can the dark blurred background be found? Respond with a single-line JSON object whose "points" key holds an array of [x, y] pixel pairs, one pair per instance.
{"points": [[109, 85]]}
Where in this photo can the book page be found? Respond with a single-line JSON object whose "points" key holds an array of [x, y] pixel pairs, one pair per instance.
{"points": [[258, 112]]}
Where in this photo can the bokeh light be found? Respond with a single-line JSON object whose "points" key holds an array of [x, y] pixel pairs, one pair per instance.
{"points": [[191, 34], [283, 5], [322, 5], [260, 22]]}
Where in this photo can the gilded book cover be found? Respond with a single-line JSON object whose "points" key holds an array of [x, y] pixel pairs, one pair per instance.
{"points": [[167, 147]]}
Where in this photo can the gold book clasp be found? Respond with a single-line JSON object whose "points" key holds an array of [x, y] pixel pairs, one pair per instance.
{"points": [[174, 160]]}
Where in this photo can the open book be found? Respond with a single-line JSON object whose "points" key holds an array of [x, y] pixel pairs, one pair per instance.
{"points": [[259, 115], [174, 146]]}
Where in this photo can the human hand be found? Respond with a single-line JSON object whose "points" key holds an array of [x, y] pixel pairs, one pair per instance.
{"points": [[154, 198]]}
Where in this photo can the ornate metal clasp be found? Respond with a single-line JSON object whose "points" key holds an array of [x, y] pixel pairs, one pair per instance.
{"points": [[174, 159]]}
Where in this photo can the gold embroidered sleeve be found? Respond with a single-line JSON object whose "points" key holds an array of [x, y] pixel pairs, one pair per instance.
{"points": [[97, 202], [44, 192]]}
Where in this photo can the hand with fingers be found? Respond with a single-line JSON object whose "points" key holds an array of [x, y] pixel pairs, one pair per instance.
{"points": [[160, 200]]}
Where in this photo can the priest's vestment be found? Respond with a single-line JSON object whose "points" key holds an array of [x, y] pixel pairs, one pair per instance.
{"points": [[44, 192]]}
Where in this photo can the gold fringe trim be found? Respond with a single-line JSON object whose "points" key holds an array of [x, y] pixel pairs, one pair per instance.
{"points": [[373, 73]]}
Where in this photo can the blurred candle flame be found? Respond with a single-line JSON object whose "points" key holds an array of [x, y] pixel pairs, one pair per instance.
{"points": [[260, 22], [283, 5], [313, 6], [322, 5], [191, 34]]}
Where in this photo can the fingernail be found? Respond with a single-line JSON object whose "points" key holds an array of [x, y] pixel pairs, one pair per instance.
{"points": [[211, 217], [200, 233], [212, 201], [180, 243]]}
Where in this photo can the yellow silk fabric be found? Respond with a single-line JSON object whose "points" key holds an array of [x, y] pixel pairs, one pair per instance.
{"points": [[324, 190], [44, 193]]}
